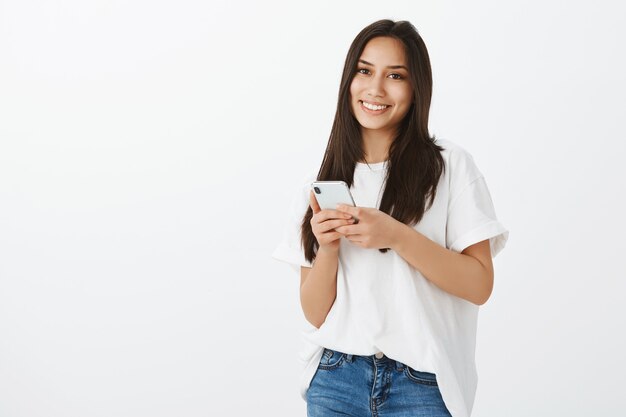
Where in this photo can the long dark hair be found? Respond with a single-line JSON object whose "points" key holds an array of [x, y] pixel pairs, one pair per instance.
{"points": [[415, 162]]}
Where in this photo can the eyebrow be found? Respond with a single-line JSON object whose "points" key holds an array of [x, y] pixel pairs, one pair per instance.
{"points": [[389, 66]]}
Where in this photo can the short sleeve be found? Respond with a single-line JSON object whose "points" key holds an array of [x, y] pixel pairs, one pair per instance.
{"points": [[289, 248], [471, 213]]}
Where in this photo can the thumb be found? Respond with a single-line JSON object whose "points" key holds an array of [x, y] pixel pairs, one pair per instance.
{"points": [[313, 203]]}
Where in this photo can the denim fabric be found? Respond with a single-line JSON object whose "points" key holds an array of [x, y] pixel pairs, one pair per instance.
{"points": [[360, 386]]}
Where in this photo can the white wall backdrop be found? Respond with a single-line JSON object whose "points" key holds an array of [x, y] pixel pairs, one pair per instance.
{"points": [[148, 151]]}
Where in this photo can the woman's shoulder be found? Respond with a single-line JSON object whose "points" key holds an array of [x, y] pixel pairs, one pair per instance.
{"points": [[458, 160], [452, 149]]}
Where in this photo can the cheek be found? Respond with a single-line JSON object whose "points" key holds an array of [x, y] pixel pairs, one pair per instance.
{"points": [[404, 95], [354, 94], [355, 86]]}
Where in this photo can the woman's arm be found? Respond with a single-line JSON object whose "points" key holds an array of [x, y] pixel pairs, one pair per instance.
{"points": [[468, 275], [318, 286]]}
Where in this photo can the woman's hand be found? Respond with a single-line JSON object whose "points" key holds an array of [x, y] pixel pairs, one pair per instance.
{"points": [[375, 229], [324, 222]]}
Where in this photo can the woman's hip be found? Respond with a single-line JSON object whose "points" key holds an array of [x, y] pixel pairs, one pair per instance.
{"points": [[346, 384]]}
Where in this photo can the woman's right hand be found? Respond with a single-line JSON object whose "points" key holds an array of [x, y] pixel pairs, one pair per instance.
{"points": [[323, 224]]}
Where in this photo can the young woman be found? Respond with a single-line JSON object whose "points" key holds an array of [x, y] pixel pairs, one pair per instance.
{"points": [[392, 301]]}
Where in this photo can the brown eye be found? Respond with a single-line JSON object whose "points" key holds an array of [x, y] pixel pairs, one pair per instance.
{"points": [[400, 77], [361, 69]]}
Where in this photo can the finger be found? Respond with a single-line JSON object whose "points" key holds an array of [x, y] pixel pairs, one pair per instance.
{"points": [[344, 208], [330, 225], [329, 214], [332, 236], [348, 230], [313, 203], [356, 239], [359, 244], [334, 224]]}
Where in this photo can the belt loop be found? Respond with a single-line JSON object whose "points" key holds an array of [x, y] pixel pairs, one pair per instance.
{"points": [[349, 357]]}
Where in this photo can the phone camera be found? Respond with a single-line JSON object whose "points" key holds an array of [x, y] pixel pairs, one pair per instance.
{"points": [[317, 190]]}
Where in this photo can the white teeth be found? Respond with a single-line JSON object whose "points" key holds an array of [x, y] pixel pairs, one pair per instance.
{"points": [[373, 107]]}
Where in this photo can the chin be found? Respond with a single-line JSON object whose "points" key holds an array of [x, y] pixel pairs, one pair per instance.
{"points": [[371, 125]]}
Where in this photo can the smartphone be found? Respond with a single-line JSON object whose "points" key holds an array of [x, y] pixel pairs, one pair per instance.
{"points": [[330, 193]]}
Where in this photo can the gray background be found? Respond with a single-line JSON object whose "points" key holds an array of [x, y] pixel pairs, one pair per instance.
{"points": [[149, 151]]}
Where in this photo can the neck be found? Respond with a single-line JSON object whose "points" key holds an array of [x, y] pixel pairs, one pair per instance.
{"points": [[376, 145]]}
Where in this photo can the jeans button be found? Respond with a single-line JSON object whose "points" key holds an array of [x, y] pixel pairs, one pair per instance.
{"points": [[379, 355]]}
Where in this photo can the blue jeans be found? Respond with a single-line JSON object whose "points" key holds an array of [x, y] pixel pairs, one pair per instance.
{"points": [[359, 386]]}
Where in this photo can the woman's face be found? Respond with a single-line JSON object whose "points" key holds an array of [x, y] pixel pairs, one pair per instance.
{"points": [[381, 79]]}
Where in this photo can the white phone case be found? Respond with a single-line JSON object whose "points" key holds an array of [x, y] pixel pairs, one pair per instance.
{"points": [[330, 193]]}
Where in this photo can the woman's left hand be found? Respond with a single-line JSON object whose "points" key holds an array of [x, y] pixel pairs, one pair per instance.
{"points": [[375, 229]]}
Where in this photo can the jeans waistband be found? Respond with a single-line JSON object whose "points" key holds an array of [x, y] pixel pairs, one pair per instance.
{"points": [[374, 360]]}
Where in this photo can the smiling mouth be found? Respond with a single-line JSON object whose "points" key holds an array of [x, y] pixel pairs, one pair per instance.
{"points": [[374, 107]]}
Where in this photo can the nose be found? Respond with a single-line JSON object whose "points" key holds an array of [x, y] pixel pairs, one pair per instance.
{"points": [[376, 87]]}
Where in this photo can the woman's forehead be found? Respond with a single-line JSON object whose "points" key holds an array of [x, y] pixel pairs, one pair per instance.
{"points": [[384, 51]]}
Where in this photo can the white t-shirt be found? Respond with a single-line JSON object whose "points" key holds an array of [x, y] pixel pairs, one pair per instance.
{"points": [[384, 304]]}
